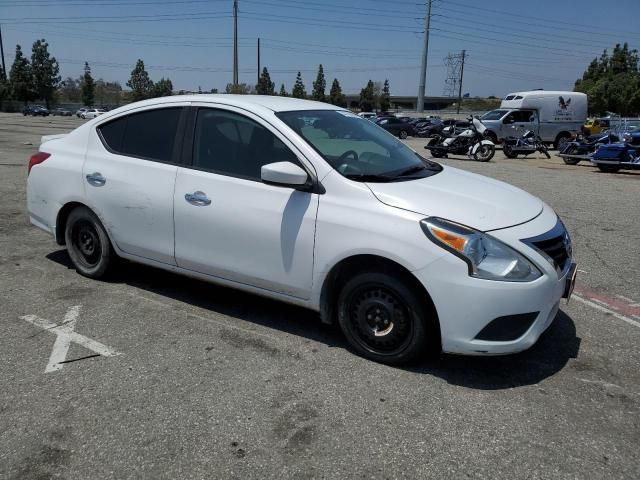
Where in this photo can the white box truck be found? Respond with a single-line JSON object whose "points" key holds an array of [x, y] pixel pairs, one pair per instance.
{"points": [[553, 115]]}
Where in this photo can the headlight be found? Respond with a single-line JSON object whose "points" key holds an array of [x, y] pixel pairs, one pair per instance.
{"points": [[488, 258]]}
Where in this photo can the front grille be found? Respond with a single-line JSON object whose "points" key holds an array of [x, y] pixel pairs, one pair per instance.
{"points": [[556, 249]]}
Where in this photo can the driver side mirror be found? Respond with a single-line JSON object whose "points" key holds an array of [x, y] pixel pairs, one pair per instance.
{"points": [[284, 174]]}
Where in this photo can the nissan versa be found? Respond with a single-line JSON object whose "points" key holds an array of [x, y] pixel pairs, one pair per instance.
{"points": [[308, 203]]}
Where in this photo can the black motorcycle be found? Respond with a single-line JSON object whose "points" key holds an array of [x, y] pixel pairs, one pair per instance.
{"points": [[471, 141], [583, 147], [526, 144]]}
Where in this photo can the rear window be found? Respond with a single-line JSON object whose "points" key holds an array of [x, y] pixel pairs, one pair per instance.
{"points": [[149, 135], [509, 97]]}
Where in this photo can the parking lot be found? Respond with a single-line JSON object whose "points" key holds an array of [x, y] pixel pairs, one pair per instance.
{"points": [[167, 377]]}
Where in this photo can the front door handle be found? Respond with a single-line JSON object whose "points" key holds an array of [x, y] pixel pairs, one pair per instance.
{"points": [[199, 199], [96, 179]]}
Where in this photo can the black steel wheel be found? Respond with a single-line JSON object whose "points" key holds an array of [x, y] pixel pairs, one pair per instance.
{"points": [[88, 244], [403, 134], [436, 152], [383, 319], [609, 168], [508, 151]]}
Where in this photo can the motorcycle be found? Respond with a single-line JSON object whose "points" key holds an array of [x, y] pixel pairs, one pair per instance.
{"points": [[584, 147], [470, 141], [526, 144], [616, 156]]}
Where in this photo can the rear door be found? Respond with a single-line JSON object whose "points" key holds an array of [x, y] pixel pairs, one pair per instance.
{"points": [[129, 176]]}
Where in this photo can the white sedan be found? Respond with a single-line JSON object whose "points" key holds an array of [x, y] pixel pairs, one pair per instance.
{"points": [[309, 204], [92, 113]]}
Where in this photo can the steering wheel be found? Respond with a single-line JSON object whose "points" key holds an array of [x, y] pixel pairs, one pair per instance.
{"points": [[345, 167], [344, 156]]}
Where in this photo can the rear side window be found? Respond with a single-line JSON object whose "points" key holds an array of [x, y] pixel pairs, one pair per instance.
{"points": [[150, 135]]}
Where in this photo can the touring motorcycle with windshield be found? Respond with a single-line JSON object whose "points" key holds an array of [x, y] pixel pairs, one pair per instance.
{"points": [[470, 141]]}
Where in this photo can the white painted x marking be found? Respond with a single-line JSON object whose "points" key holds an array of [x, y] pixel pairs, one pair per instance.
{"points": [[64, 336]]}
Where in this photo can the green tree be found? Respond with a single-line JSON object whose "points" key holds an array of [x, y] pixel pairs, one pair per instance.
{"points": [[108, 93], [45, 71], [367, 97], [162, 88], [20, 78], [140, 84], [319, 86], [4, 88], [265, 86], [385, 97], [88, 86], [240, 89], [336, 97], [283, 91], [612, 82], [298, 88]]}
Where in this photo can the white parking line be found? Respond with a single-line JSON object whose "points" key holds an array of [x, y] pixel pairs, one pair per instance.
{"points": [[607, 310]]}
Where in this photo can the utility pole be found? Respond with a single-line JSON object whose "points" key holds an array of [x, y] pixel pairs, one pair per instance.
{"points": [[235, 43], [423, 68], [4, 68], [258, 60], [464, 53]]}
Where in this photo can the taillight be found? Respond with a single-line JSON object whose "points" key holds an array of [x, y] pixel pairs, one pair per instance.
{"points": [[37, 159]]}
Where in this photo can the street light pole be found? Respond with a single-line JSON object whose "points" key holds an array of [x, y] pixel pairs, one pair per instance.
{"points": [[423, 69]]}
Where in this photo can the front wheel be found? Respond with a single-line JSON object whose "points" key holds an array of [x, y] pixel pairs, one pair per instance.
{"points": [[561, 141], [383, 318], [484, 153], [508, 151], [88, 244]]}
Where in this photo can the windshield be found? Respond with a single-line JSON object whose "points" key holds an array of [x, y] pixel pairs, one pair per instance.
{"points": [[494, 115], [356, 148]]}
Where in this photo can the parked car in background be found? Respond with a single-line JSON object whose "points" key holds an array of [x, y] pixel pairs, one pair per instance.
{"points": [[407, 256], [367, 115], [92, 113], [35, 111], [595, 126], [429, 128], [61, 112], [81, 111], [397, 126]]}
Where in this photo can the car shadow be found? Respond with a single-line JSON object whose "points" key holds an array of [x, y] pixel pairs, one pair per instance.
{"points": [[548, 356]]}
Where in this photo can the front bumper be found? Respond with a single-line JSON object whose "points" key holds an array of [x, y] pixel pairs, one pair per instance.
{"points": [[467, 305]]}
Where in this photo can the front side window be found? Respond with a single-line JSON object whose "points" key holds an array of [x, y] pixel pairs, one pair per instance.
{"points": [[356, 148], [493, 115], [232, 144], [149, 135]]}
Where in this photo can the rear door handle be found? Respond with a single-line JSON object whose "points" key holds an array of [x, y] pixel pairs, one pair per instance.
{"points": [[199, 199], [96, 179]]}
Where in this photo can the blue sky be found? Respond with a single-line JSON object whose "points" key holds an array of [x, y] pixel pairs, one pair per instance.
{"points": [[511, 45]]}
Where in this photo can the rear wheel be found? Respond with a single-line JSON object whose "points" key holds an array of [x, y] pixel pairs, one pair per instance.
{"points": [[403, 134], [383, 318], [88, 244]]}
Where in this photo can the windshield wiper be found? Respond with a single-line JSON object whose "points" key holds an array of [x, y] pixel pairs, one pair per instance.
{"points": [[369, 177], [411, 170]]}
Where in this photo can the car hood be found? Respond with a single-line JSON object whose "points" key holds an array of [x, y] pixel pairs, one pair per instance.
{"points": [[473, 200]]}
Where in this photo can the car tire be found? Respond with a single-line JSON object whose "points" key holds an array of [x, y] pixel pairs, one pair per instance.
{"points": [[403, 134], [491, 136], [383, 319], [88, 244], [83, 116], [560, 140]]}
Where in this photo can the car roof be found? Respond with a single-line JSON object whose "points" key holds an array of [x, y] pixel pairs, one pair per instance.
{"points": [[271, 102]]}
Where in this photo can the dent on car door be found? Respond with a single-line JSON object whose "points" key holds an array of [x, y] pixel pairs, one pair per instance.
{"points": [[129, 177], [228, 223]]}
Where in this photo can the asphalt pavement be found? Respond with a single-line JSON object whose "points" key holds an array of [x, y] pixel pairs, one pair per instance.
{"points": [[199, 381]]}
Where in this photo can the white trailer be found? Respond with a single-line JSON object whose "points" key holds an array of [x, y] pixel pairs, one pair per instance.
{"points": [[553, 115]]}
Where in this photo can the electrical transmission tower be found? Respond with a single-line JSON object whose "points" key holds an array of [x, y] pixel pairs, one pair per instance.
{"points": [[455, 71]]}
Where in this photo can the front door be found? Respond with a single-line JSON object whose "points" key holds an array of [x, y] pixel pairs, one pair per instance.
{"points": [[231, 225], [129, 175]]}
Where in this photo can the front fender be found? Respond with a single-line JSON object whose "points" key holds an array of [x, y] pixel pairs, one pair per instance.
{"points": [[475, 148]]}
